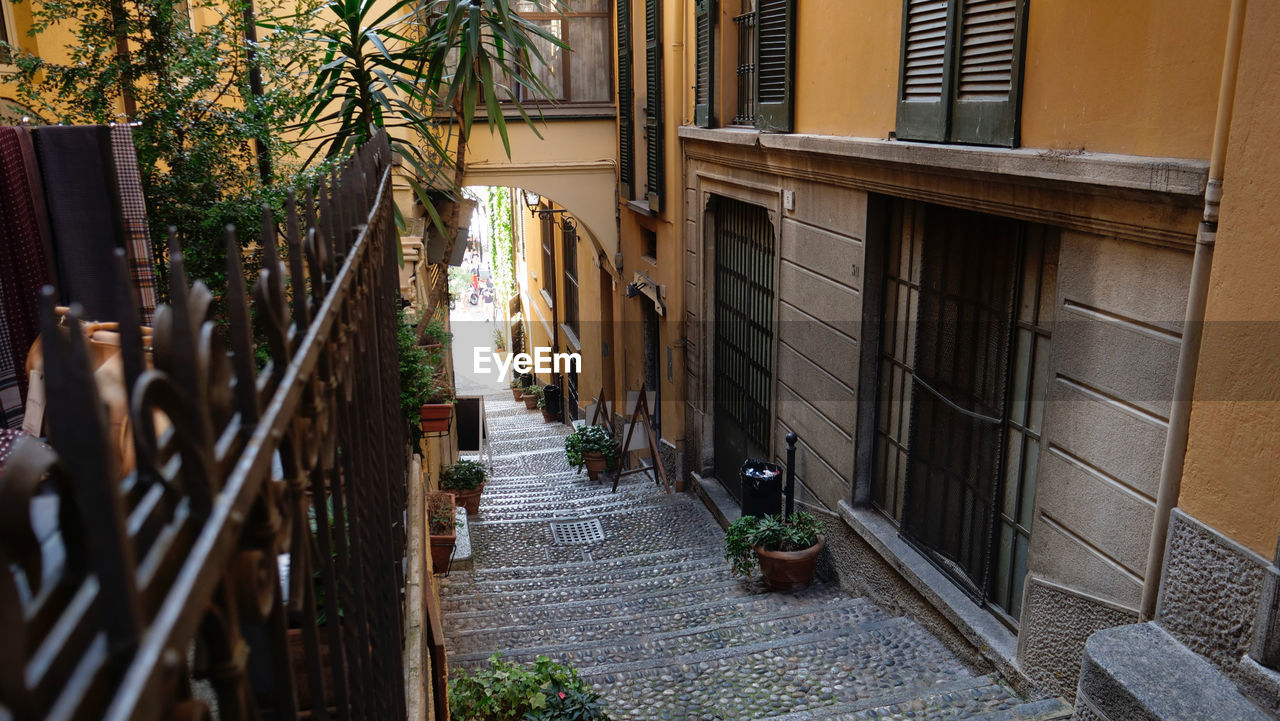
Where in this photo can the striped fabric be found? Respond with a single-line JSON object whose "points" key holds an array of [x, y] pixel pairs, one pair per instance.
{"points": [[133, 210], [23, 267]]}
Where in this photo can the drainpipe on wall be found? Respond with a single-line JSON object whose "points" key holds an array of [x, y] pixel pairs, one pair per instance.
{"points": [[1189, 351]]}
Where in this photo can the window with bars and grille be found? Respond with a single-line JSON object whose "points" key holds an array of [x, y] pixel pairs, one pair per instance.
{"points": [[570, 259], [765, 63], [961, 73]]}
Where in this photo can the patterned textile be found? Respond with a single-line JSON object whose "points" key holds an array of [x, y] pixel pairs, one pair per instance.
{"points": [[133, 210], [75, 167], [23, 266]]}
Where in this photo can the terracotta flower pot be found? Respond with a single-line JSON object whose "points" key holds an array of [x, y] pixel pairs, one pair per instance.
{"points": [[469, 499], [517, 394], [789, 570], [442, 544], [595, 463], [530, 402], [547, 416], [434, 417]]}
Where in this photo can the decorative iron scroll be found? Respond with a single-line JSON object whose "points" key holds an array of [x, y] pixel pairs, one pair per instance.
{"points": [[164, 595]]}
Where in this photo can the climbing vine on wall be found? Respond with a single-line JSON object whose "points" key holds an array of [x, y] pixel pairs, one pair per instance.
{"points": [[497, 203]]}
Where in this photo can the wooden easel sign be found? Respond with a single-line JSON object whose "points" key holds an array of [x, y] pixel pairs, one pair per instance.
{"points": [[640, 417]]}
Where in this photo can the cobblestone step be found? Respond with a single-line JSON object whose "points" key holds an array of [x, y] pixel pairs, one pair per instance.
{"points": [[777, 677], [558, 579], [602, 643], [671, 555], [707, 614]]}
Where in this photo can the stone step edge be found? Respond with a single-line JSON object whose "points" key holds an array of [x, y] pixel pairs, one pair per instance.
{"points": [[846, 708], [625, 587], [596, 603], [692, 631], [570, 565], [683, 503], [717, 654], [701, 563], [763, 599]]}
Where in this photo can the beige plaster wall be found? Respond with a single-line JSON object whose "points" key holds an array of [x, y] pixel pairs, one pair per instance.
{"points": [[1231, 479]]}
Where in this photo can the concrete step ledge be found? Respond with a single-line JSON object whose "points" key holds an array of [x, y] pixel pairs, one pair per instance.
{"points": [[1141, 673]]}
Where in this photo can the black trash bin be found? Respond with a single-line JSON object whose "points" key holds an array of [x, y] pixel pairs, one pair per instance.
{"points": [[551, 400], [761, 488]]}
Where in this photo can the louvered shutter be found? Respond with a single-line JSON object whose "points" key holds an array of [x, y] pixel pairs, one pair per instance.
{"points": [[704, 77], [775, 63], [924, 84], [626, 103], [653, 103], [988, 79]]}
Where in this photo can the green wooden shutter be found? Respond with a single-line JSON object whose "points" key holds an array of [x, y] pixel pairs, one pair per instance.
{"points": [[704, 75], [775, 63], [653, 103], [626, 103], [987, 88], [924, 76]]}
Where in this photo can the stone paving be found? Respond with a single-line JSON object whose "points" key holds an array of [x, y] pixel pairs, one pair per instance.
{"points": [[652, 618]]}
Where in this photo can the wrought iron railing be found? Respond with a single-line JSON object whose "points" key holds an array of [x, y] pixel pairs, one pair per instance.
{"points": [[164, 595]]}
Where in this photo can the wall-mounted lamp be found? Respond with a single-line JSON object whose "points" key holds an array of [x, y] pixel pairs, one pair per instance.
{"points": [[617, 262], [533, 202]]}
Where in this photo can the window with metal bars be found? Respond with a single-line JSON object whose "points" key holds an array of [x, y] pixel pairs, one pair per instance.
{"points": [[960, 78], [569, 257], [766, 64], [746, 24]]}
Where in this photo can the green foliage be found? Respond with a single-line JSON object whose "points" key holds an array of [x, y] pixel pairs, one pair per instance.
{"points": [[417, 374], [534, 390], [587, 439], [417, 67], [499, 340], [502, 258], [511, 692], [462, 476], [772, 533], [435, 334], [201, 127]]}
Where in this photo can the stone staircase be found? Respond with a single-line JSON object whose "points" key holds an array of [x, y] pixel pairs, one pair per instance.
{"points": [[651, 617]]}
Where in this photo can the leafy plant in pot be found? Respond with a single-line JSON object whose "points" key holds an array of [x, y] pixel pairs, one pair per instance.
{"points": [[547, 416], [532, 397], [505, 691], [593, 447], [517, 388], [465, 479], [441, 528], [785, 548]]}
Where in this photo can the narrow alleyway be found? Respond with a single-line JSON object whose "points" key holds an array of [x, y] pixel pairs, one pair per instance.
{"points": [[641, 602]]}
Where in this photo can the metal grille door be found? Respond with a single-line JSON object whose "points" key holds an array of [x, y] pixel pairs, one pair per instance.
{"points": [[966, 296], [744, 290]]}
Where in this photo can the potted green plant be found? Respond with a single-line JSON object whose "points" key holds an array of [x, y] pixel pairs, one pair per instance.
{"points": [[785, 548], [505, 691], [532, 397], [465, 479], [547, 416], [436, 413], [441, 528], [593, 447]]}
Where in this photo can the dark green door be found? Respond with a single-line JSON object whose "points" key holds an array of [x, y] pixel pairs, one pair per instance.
{"points": [[744, 332]]}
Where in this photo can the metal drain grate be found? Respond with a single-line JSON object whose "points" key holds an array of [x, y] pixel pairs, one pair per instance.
{"points": [[572, 533]]}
